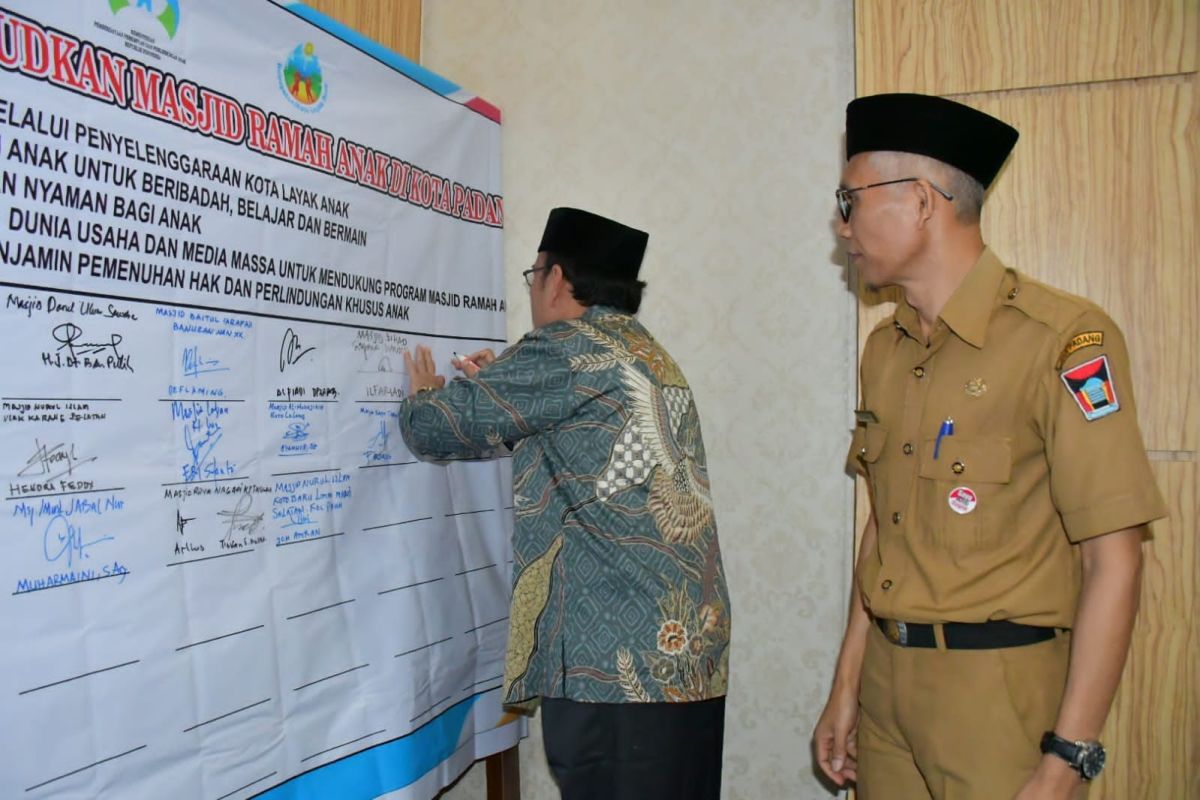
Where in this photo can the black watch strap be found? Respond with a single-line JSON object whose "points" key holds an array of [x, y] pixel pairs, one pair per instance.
{"points": [[1086, 758]]}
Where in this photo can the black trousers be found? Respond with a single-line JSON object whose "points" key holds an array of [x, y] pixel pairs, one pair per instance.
{"points": [[635, 751]]}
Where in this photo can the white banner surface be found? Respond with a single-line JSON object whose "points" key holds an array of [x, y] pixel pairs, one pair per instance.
{"points": [[223, 574]]}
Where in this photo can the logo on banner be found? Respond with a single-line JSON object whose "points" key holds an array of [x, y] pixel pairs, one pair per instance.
{"points": [[165, 11], [301, 79], [1092, 387]]}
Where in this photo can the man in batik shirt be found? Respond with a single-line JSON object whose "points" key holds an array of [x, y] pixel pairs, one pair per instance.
{"points": [[620, 615]]}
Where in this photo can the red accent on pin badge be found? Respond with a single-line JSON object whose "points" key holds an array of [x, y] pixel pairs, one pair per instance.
{"points": [[962, 500]]}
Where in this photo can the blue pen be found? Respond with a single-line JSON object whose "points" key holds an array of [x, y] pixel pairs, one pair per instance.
{"points": [[947, 429]]}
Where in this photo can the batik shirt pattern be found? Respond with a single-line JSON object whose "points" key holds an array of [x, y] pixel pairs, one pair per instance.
{"points": [[619, 594]]}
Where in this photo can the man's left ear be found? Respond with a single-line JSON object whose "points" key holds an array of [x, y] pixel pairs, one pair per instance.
{"points": [[558, 280], [925, 200]]}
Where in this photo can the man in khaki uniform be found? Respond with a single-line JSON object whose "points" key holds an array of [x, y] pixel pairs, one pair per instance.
{"points": [[998, 577]]}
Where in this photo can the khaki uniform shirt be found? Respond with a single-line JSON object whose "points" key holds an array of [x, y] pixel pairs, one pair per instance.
{"points": [[1045, 452]]}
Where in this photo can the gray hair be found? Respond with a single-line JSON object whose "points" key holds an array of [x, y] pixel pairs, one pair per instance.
{"points": [[968, 193]]}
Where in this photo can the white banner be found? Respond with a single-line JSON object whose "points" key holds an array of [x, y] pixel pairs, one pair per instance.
{"points": [[223, 574]]}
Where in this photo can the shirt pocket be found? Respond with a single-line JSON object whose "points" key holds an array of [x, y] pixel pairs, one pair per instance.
{"points": [[960, 493]]}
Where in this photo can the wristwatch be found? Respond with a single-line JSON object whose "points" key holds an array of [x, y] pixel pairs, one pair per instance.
{"points": [[1086, 758]]}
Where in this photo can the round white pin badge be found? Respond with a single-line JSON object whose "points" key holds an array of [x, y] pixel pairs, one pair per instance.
{"points": [[962, 500]]}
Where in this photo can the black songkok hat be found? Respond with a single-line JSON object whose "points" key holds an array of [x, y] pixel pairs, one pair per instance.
{"points": [[930, 126], [596, 244]]}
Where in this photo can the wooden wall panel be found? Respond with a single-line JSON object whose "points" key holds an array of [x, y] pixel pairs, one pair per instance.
{"points": [[396, 24], [1100, 199], [960, 46], [1162, 678]]}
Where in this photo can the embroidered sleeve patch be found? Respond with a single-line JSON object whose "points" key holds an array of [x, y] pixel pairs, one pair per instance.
{"points": [[1092, 387], [1086, 339]]}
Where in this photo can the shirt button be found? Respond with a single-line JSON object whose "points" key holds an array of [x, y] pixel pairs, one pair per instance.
{"points": [[908, 448], [1013, 292], [885, 585], [896, 517], [919, 372], [957, 467]]}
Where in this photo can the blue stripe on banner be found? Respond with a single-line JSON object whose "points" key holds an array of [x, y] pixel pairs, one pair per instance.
{"points": [[396, 61], [383, 768]]}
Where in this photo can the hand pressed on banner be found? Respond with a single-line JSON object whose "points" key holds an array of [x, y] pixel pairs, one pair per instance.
{"points": [[422, 373]]}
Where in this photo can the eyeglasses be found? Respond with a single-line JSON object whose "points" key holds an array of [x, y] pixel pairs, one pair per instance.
{"points": [[845, 197], [528, 275]]}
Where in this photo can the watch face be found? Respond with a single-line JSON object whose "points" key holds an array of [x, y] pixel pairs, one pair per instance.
{"points": [[1091, 760]]}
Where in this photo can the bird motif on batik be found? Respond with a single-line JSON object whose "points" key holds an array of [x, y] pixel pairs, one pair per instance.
{"points": [[647, 449]]}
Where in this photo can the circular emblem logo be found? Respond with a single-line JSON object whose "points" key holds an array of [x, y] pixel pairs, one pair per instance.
{"points": [[301, 78], [962, 500]]}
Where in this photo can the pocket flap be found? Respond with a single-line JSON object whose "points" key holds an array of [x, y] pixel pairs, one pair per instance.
{"points": [[967, 459], [868, 442]]}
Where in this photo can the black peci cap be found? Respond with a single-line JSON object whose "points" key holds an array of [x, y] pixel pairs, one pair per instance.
{"points": [[958, 135], [597, 244]]}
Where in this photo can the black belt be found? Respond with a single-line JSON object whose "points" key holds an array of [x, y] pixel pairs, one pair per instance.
{"points": [[965, 635]]}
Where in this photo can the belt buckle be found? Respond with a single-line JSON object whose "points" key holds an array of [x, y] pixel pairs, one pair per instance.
{"points": [[897, 632]]}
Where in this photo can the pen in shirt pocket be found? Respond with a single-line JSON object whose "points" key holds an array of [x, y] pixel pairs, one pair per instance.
{"points": [[947, 429]]}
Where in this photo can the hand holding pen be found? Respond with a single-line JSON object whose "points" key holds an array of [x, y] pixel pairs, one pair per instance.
{"points": [[471, 364]]}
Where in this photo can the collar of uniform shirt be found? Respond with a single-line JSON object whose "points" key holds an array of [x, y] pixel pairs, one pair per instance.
{"points": [[969, 309]]}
